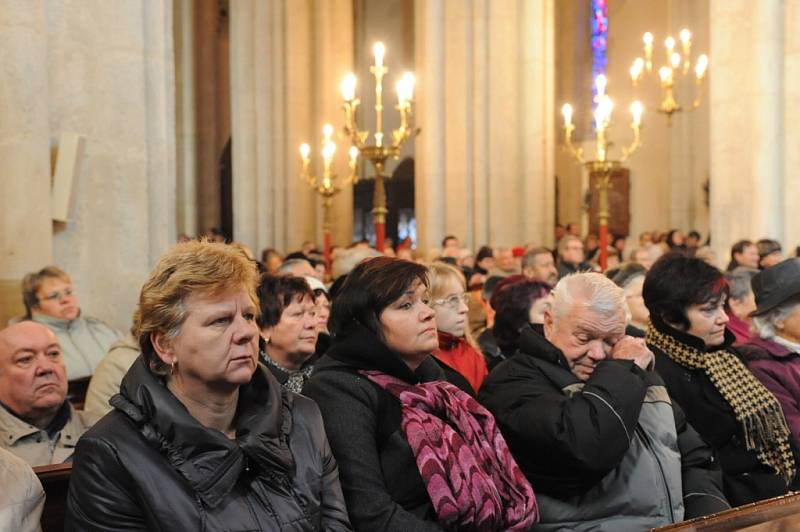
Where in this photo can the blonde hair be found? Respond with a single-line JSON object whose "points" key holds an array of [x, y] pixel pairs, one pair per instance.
{"points": [[438, 275], [189, 268], [32, 282]]}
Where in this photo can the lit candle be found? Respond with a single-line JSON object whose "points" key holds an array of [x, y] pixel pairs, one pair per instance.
{"points": [[636, 69], [701, 66], [566, 110], [327, 132], [669, 44], [600, 83], [305, 151], [328, 150], [408, 77], [665, 73], [686, 41], [636, 112], [675, 60], [379, 50], [647, 38], [348, 87], [353, 154], [401, 92]]}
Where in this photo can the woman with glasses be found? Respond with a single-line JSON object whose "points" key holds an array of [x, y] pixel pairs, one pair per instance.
{"points": [[456, 346], [414, 451], [50, 299]]}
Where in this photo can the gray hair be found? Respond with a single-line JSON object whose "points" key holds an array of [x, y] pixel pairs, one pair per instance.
{"points": [[350, 258], [739, 281], [529, 258], [594, 290], [289, 265], [766, 325]]}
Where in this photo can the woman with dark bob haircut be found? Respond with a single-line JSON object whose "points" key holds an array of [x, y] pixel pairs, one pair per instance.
{"points": [[740, 419], [202, 437], [414, 451], [518, 302]]}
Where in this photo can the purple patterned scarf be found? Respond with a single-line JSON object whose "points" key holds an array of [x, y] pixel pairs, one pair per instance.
{"points": [[473, 481]]}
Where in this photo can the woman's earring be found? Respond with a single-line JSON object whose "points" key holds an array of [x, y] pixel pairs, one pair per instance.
{"points": [[172, 367]]}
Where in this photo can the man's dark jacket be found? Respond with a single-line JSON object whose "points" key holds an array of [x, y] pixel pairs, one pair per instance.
{"points": [[569, 436]]}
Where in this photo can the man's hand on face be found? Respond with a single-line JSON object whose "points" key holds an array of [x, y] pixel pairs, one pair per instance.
{"points": [[635, 349]]}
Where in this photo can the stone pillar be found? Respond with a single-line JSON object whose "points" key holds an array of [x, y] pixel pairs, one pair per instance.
{"points": [[111, 79], [750, 187], [287, 58], [25, 222], [185, 131], [485, 159]]}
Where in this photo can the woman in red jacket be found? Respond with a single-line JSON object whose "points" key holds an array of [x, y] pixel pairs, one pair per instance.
{"points": [[449, 300]]}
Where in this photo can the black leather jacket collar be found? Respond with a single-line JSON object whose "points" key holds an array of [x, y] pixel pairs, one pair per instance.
{"points": [[209, 461]]}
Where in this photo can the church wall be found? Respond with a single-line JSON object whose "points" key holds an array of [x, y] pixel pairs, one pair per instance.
{"points": [[755, 123], [111, 79], [282, 93], [485, 159], [670, 169], [25, 227]]}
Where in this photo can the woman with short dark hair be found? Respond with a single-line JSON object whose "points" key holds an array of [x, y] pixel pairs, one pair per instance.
{"points": [[518, 302], [288, 324], [738, 417], [412, 448]]}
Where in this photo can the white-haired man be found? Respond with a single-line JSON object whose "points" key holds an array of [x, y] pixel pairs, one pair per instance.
{"points": [[590, 424], [37, 423]]}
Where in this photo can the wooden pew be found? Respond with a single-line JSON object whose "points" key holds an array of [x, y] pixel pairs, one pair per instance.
{"points": [[76, 392], [55, 481], [772, 515]]}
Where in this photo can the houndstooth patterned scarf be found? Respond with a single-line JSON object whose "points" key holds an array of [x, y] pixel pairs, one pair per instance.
{"points": [[755, 407]]}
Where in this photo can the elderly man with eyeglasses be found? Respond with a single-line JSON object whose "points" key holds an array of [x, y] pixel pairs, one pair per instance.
{"points": [[50, 300]]}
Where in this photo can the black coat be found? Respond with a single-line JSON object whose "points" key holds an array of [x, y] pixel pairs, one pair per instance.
{"points": [[380, 479], [565, 444], [149, 465], [745, 478]]}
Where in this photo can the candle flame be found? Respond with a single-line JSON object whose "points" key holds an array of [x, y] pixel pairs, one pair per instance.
{"points": [[379, 50], [348, 87], [305, 150]]}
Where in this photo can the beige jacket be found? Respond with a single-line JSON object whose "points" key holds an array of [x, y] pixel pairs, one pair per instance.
{"points": [[108, 375], [84, 342], [21, 495], [34, 446]]}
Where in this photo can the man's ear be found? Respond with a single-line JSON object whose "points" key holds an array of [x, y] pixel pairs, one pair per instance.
{"points": [[548, 323], [162, 345]]}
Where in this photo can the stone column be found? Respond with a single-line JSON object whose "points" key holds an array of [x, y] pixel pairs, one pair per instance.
{"points": [[485, 159], [287, 58], [748, 136], [25, 222], [112, 80]]}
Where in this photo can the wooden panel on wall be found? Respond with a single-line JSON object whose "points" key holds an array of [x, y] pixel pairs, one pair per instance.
{"points": [[618, 200]]}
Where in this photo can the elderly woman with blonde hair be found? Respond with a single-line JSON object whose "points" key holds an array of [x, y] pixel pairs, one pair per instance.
{"points": [[202, 437]]}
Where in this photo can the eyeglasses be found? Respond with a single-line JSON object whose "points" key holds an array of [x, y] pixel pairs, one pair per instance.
{"points": [[453, 301], [57, 296]]}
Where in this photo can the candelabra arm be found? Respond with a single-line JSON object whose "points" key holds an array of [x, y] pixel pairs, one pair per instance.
{"points": [[577, 153], [357, 137], [633, 146], [701, 89]]}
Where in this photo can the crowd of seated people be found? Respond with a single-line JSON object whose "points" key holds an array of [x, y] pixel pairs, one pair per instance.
{"points": [[515, 388]]}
